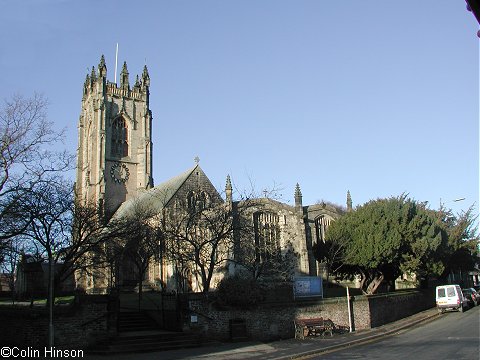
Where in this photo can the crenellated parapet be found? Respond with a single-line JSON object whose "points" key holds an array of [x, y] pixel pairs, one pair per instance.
{"points": [[96, 83]]}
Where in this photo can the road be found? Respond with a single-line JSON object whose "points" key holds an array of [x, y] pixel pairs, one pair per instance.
{"points": [[453, 335]]}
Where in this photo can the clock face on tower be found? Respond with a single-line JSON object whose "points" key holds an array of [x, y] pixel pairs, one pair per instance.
{"points": [[119, 172]]}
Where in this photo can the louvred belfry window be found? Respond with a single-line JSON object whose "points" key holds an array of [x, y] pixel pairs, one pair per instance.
{"points": [[119, 138]]}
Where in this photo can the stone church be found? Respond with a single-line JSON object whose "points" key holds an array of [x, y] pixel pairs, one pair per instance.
{"points": [[114, 170]]}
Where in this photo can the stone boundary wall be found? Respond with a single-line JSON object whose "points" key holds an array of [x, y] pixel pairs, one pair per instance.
{"points": [[90, 319], [276, 320], [387, 308]]}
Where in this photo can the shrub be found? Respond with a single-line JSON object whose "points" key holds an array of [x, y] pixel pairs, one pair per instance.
{"points": [[239, 292]]}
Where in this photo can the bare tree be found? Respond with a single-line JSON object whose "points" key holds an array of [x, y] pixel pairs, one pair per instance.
{"points": [[63, 233], [48, 209], [199, 240], [70, 236], [332, 254], [11, 257], [205, 238], [92, 239], [137, 240], [26, 158], [258, 252]]}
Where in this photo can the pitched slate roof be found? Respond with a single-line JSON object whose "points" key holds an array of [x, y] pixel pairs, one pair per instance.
{"points": [[157, 197]]}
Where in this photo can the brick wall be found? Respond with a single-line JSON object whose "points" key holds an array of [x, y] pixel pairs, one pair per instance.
{"points": [[90, 319], [275, 320]]}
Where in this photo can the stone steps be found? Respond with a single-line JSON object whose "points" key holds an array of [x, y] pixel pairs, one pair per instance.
{"points": [[135, 321]]}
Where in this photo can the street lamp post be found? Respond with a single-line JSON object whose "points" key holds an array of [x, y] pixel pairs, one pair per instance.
{"points": [[51, 301]]}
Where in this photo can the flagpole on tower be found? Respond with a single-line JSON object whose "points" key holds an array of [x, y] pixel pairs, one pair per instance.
{"points": [[116, 62]]}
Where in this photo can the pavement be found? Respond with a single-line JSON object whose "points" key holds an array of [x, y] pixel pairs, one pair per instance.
{"points": [[282, 349]]}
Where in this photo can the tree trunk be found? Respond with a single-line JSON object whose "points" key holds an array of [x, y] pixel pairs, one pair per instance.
{"points": [[363, 281], [205, 278], [140, 295], [140, 290], [375, 283]]}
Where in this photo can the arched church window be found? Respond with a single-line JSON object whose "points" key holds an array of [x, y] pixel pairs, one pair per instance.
{"points": [[119, 137], [197, 201], [191, 201], [321, 225], [267, 234], [202, 201]]}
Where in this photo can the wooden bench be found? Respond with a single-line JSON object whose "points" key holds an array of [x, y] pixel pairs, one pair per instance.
{"points": [[313, 327]]}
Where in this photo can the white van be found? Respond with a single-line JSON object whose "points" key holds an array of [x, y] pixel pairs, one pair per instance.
{"points": [[450, 297]]}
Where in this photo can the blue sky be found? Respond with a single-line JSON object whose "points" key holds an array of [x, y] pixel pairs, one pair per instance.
{"points": [[376, 97]]}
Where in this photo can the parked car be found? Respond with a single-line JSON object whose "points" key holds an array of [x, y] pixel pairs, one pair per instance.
{"points": [[477, 296], [472, 296], [450, 297]]}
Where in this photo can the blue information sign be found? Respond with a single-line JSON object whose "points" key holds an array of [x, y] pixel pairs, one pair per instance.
{"points": [[308, 286]]}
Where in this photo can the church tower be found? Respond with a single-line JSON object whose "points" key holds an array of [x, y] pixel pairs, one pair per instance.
{"points": [[114, 155]]}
